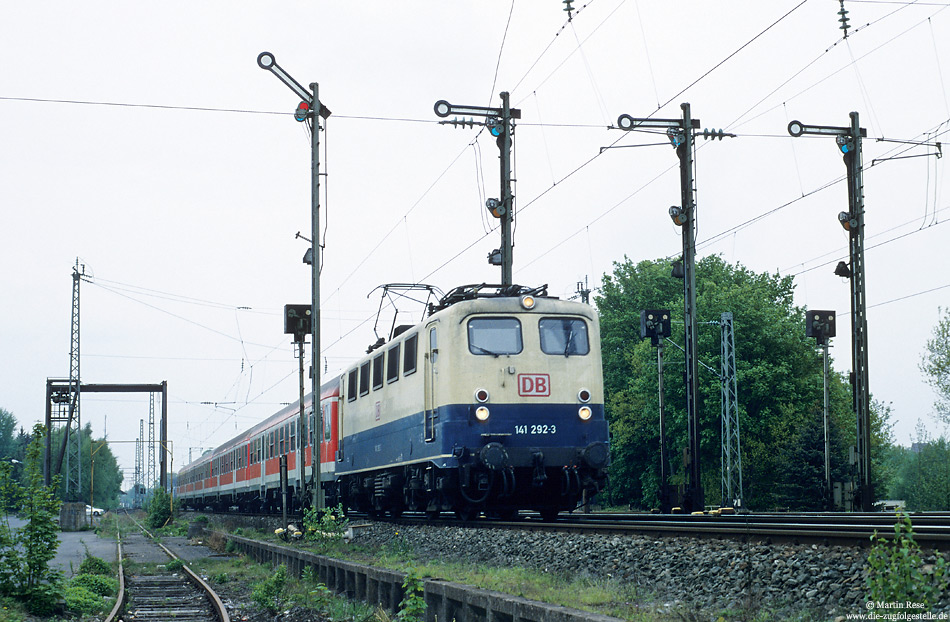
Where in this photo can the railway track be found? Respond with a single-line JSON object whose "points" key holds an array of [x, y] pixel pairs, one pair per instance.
{"points": [[931, 529], [180, 596]]}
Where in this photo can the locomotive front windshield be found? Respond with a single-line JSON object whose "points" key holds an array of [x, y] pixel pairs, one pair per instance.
{"points": [[494, 336], [565, 336]]}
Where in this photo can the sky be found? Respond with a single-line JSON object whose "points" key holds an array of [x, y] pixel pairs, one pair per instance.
{"points": [[143, 140]]}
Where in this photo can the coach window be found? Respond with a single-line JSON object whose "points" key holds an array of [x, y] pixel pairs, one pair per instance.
{"points": [[564, 336], [392, 364], [409, 355], [351, 379], [270, 444], [293, 436], [364, 378], [494, 336], [378, 371], [312, 427], [327, 421]]}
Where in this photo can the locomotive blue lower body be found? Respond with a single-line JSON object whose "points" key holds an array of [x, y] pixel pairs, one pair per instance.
{"points": [[525, 456]]}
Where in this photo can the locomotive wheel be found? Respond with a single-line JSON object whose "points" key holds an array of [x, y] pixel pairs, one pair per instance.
{"points": [[549, 515], [433, 514], [467, 513]]}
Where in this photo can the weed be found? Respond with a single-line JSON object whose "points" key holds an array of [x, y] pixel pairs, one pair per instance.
{"points": [[413, 605], [269, 593]]}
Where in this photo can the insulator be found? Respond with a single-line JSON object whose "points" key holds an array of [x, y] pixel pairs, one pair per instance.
{"points": [[569, 8], [843, 19]]}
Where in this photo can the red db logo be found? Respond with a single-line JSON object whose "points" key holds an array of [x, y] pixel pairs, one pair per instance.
{"points": [[534, 385]]}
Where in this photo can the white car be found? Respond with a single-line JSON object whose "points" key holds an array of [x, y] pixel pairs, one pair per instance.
{"points": [[91, 511]]}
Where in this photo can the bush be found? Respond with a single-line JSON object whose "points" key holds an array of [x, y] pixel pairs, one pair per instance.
{"points": [[80, 600], [95, 565], [268, 594], [98, 584], [896, 573], [326, 523], [43, 600], [159, 509]]}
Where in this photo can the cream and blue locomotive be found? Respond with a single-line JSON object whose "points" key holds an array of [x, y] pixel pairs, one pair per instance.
{"points": [[494, 403]]}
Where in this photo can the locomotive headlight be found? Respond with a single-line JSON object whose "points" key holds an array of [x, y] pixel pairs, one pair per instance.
{"points": [[527, 302], [481, 413], [583, 395], [584, 412], [481, 396]]}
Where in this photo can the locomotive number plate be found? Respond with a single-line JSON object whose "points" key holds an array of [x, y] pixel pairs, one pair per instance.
{"points": [[536, 429], [534, 385]]}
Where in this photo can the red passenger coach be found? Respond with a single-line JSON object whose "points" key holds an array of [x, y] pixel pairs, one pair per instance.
{"points": [[245, 471]]}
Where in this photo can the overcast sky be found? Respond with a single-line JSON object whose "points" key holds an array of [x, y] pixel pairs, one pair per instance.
{"points": [[143, 139]]}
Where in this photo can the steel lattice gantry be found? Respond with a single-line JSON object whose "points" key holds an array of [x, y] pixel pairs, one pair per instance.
{"points": [[731, 454], [59, 391]]}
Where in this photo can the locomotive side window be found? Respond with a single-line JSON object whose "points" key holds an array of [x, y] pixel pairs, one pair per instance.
{"points": [[378, 371], [409, 355], [351, 386], [364, 378], [494, 336], [564, 336], [392, 364]]}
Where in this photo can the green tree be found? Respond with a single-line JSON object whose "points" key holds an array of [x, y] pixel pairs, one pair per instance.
{"points": [[108, 476], [778, 371], [923, 474], [25, 552], [935, 364], [8, 425]]}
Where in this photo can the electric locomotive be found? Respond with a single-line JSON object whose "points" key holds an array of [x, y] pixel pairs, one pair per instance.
{"points": [[494, 404]]}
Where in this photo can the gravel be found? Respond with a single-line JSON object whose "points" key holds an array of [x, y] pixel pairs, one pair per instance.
{"points": [[668, 572]]}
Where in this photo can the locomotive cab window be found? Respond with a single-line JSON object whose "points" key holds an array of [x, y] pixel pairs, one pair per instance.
{"points": [[564, 335], [494, 336]]}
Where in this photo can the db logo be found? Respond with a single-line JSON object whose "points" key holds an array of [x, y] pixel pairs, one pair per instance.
{"points": [[534, 385]]}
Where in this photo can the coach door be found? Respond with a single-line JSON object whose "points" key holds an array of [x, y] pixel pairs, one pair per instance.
{"points": [[431, 380]]}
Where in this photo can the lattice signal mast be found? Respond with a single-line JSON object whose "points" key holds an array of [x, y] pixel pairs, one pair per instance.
{"points": [[66, 400]]}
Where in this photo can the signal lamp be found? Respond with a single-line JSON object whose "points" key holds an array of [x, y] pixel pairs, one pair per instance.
{"points": [[495, 207], [528, 302], [845, 144], [678, 271], [494, 257], [678, 215], [585, 413], [303, 109], [481, 396], [847, 221], [494, 126], [481, 413], [583, 395]]}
